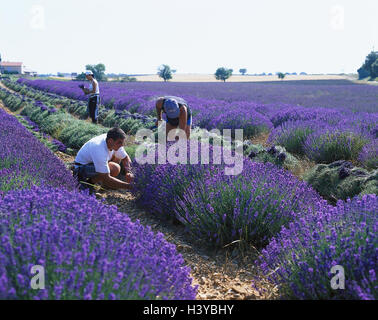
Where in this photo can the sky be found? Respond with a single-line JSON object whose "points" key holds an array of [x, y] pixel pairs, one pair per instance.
{"points": [[192, 36]]}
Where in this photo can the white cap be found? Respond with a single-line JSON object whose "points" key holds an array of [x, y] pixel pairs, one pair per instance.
{"points": [[88, 73]]}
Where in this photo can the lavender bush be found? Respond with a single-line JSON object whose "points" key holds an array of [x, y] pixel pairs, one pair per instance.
{"points": [[88, 250], [292, 135], [251, 206], [299, 259], [53, 144], [369, 155], [327, 145], [25, 161]]}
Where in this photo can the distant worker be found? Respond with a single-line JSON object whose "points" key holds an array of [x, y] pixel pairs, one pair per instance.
{"points": [[178, 112], [94, 95], [98, 161]]}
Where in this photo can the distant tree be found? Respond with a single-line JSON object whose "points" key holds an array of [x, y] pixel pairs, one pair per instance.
{"points": [[369, 61], [303, 73], [81, 77], [174, 71], [363, 73], [243, 71], [281, 75], [374, 69], [223, 74], [366, 69], [165, 72], [98, 71]]}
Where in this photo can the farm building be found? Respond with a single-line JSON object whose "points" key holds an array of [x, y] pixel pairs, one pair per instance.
{"points": [[11, 67], [29, 72]]}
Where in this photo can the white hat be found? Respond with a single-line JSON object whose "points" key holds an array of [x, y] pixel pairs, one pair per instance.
{"points": [[88, 73]]}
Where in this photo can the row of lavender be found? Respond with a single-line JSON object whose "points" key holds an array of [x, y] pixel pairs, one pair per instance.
{"points": [[208, 113], [129, 122], [56, 144], [301, 237], [88, 250], [322, 134], [335, 94]]}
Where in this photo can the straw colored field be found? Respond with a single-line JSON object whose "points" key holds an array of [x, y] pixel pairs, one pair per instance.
{"points": [[239, 78]]}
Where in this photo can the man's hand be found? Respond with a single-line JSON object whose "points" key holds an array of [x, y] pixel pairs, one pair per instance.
{"points": [[129, 177]]}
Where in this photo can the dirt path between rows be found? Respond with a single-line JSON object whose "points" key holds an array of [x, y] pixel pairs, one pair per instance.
{"points": [[6, 88]]}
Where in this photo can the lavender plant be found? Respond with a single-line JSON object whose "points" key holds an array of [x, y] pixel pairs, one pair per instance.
{"points": [[327, 145], [369, 155], [88, 251], [26, 161], [299, 259], [251, 206]]}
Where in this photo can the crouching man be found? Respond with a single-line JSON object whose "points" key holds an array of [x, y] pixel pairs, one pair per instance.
{"points": [[98, 161]]}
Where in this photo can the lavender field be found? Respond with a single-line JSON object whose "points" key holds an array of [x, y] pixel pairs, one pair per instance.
{"points": [[339, 94], [340, 118], [299, 231]]}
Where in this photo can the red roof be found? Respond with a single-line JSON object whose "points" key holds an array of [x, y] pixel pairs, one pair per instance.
{"points": [[11, 64]]}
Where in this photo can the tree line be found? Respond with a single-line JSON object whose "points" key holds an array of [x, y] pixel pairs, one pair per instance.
{"points": [[370, 67]]}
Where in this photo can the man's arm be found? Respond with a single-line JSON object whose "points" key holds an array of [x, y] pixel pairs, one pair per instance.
{"points": [[112, 182], [85, 90], [127, 163], [94, 86], [159, 111], [183, 119]]}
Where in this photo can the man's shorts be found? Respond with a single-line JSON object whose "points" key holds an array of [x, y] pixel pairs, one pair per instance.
{"points": [[85, 171], [175, 122]]}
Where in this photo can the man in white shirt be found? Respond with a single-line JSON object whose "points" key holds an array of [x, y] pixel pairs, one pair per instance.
{"points": [[98, 160]]}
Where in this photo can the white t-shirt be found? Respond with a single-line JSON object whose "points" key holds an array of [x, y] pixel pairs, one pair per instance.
{"points": [[91, 87], [96, 151]]}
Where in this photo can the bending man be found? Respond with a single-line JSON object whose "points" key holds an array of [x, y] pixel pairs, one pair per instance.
{"points": [[178, 114], [99, 160]]}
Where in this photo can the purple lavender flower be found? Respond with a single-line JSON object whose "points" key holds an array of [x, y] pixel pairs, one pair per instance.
{"points": [[345, 235], [259, 201], [82, 242], [27, 161]]}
